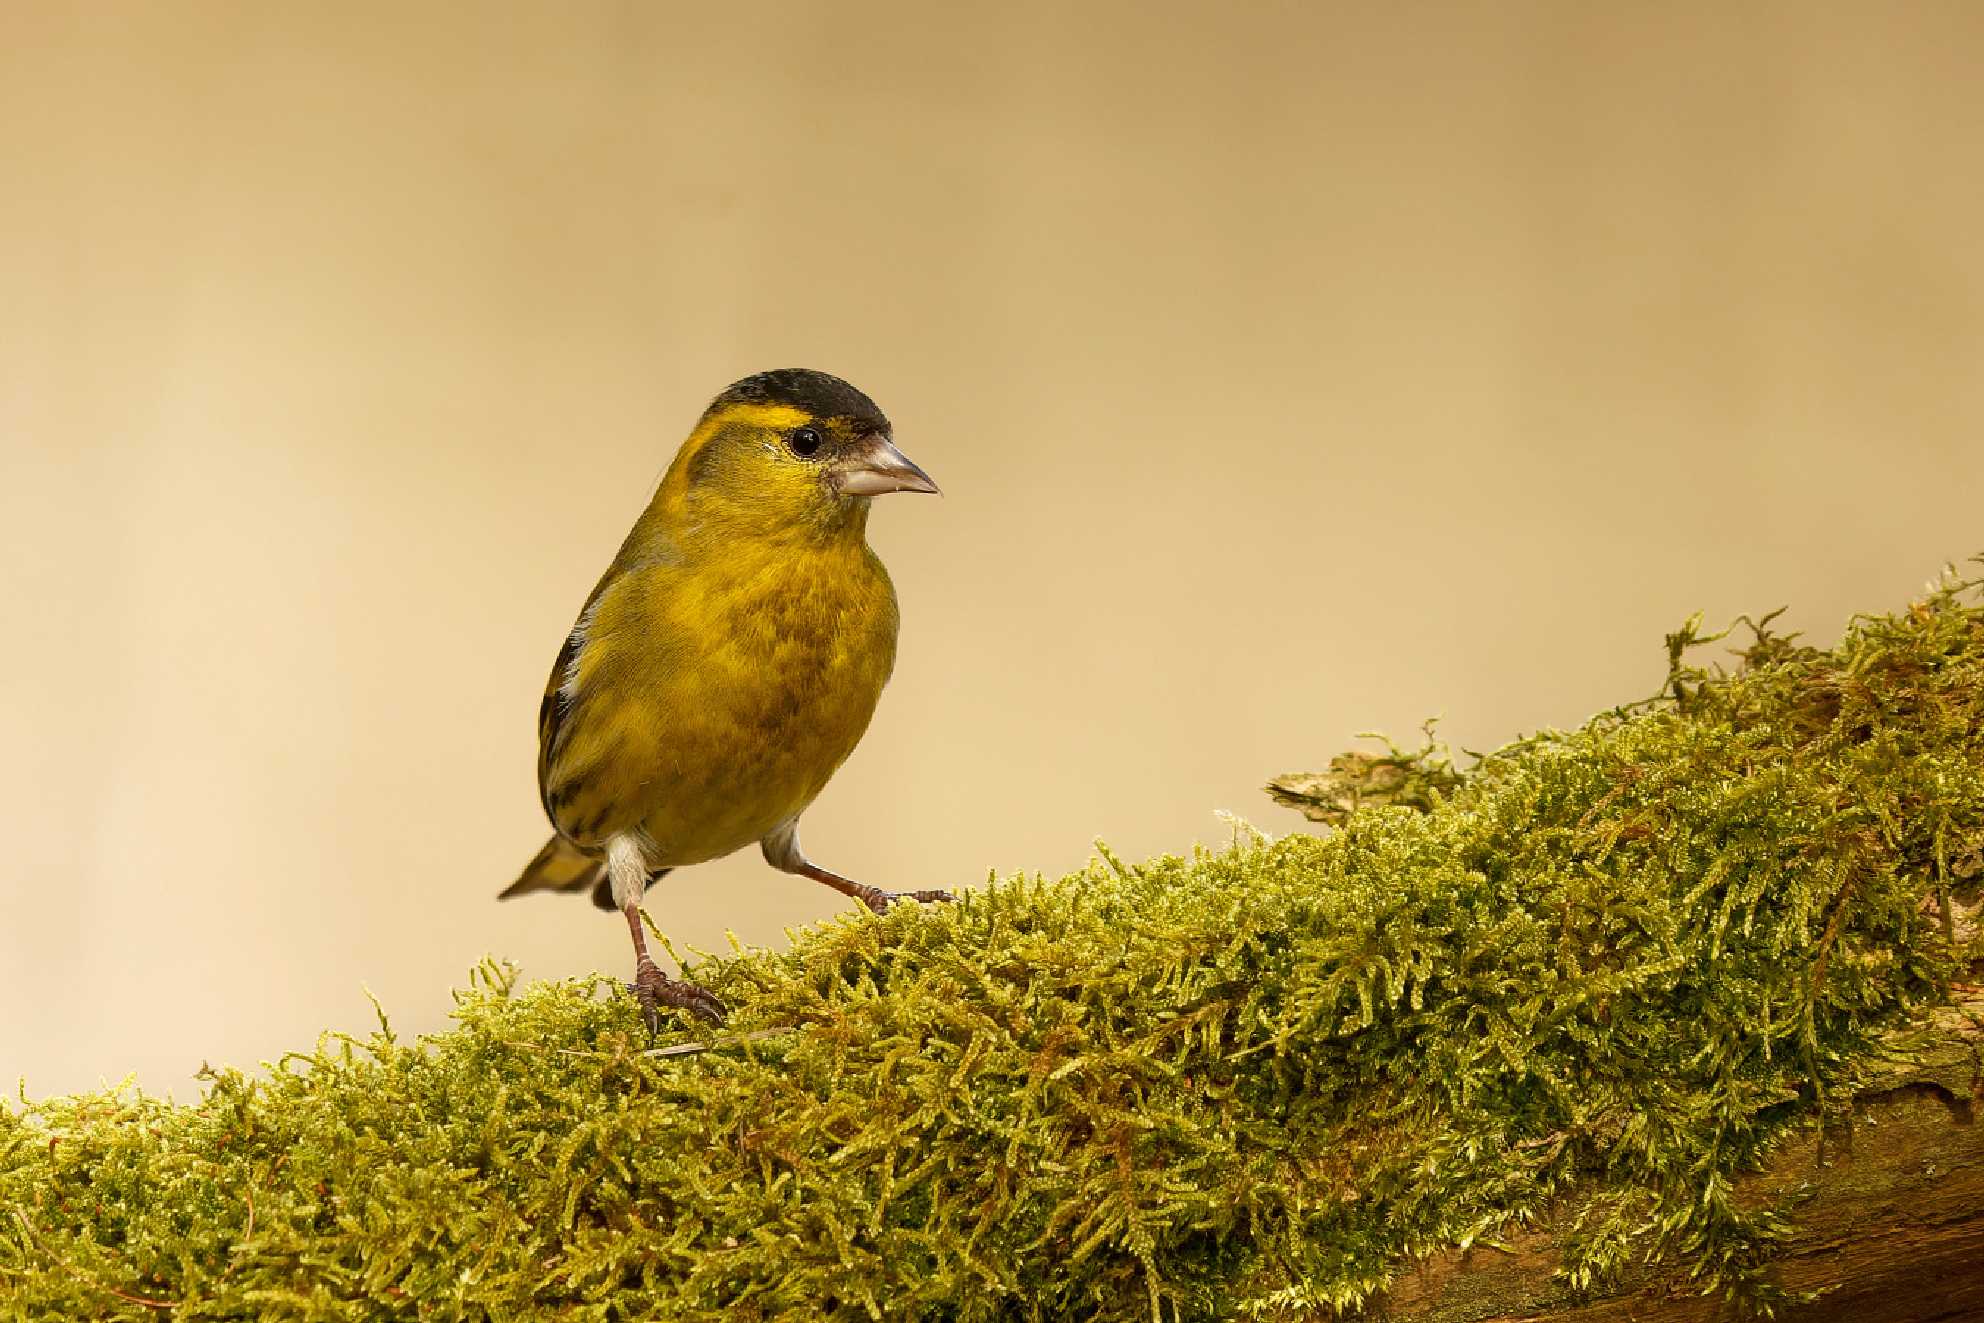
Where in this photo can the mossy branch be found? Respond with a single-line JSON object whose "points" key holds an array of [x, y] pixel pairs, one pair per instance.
{"points": [[1569, 1019]]}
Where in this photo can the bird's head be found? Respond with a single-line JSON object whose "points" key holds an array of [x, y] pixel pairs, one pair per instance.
{"points": [[790, 450]]}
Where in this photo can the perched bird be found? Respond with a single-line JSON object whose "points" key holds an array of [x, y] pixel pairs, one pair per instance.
{"points": [[729, 659]]}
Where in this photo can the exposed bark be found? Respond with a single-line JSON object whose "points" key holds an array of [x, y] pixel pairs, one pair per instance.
{"points": [[1889, 1209]]}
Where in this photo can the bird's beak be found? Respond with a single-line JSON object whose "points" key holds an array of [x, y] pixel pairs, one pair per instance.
{"points": [[878, 467]]}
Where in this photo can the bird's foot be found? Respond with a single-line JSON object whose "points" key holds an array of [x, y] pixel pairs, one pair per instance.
{"points": [[655, 990], [879, 900]]}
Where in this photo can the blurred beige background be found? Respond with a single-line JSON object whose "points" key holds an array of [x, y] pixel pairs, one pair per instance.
{"points": [[1292, 370]]}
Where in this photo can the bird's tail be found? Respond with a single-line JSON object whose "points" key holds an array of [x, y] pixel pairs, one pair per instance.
{"points": [[559, 866]]}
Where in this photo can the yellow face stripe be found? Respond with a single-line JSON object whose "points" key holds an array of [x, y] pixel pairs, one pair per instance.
{"points": [[771, 417], [776, 416]]}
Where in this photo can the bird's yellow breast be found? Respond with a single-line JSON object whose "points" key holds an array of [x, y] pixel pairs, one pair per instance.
{"points": [[714, 695]]}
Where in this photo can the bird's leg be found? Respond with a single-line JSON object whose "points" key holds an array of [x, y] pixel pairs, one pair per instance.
{"points": [[782, 852], [874, 898], [652, 988]]}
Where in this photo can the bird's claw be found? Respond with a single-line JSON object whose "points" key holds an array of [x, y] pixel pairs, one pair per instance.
{"points": [[879, 900], [655, 990]]}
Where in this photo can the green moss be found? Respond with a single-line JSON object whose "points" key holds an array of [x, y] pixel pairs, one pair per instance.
{"points": [[1613, 966]]}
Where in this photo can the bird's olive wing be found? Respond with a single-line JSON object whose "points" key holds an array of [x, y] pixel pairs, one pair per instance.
{"points": [[594, 732], [553, 714], [557, 704], [559, 716]]}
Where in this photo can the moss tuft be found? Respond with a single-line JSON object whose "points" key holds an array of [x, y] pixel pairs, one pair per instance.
{"points": [[1613, 966]]}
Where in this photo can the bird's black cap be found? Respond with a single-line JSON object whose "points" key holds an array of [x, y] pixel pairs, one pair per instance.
{"points": [[818, 393]]}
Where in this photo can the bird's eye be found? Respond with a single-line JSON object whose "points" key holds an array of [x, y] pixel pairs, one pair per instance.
{"points": [[805, 442]]}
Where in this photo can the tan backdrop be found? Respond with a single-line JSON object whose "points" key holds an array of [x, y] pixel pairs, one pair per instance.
{"points": [[1292, 370]]}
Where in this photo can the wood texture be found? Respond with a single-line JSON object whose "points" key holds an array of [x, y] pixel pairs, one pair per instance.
{"points": [[1889, 1210]]}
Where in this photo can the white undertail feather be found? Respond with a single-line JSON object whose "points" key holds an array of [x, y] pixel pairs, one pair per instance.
{"points": [[626, 869]]}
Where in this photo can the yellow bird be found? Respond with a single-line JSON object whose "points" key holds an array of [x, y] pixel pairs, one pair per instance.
{"points": [[729, 659]]}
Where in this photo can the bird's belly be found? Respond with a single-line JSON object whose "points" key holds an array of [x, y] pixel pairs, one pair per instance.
{"points": [[712, 708], [708, 815], [722, 795], [741, 758]]}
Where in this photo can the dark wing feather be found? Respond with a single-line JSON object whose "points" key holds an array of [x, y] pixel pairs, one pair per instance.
{"points": [[551, 714], [558, 716]]}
